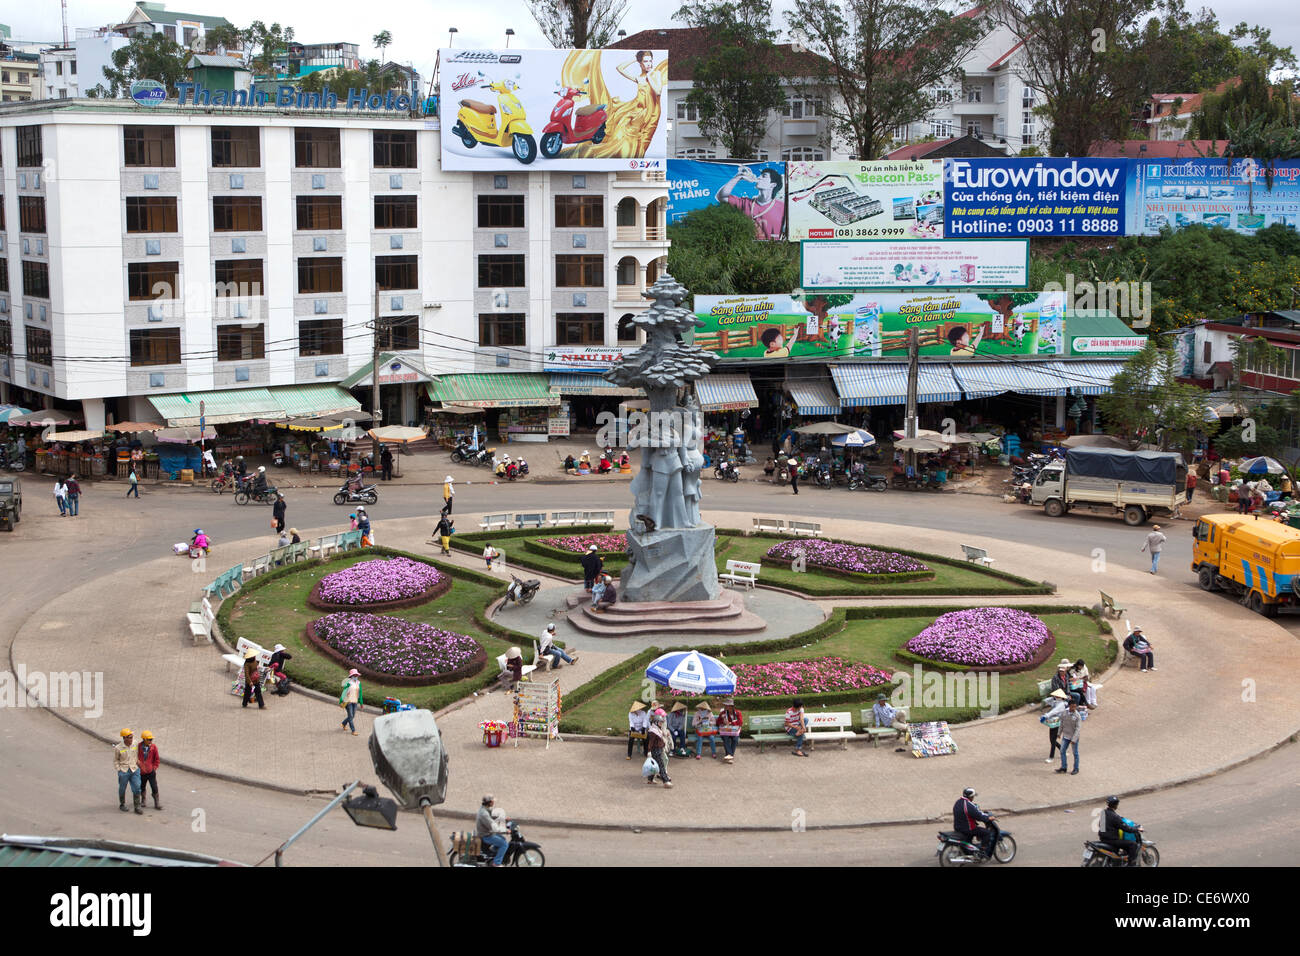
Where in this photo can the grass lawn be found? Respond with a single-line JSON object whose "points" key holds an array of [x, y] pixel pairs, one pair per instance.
{"points": [[277, 613], [872, 641]]}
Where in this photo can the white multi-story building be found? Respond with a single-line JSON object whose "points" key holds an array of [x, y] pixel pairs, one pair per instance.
{"points": [[68, 72], [148, 254]]}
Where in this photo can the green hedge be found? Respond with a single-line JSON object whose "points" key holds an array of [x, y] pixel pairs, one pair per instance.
{"points": [[608, 678]]}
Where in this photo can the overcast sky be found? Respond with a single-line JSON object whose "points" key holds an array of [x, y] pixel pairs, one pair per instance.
{"points": [[419, 28]]}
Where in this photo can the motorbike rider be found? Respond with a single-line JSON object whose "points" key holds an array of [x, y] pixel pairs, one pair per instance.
{"points": [[200, 540], [491, 827], [259, 481], [1113, 830], [966, 817]]}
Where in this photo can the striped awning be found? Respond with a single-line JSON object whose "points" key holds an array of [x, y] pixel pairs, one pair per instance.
{"points": [[886, 384], [982, 379], [589, 383], [314, 401], [219, 407], [720, 393], [494, 390], [1087, 378], [814, 397]]}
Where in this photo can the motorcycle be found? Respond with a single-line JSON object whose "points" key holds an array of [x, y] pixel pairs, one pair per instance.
{"points": [[868, 482], [522, 592], [1099, 854], [463, 451], [476, 122], [822, 477], [956, 850], [366, 494], [10, 459], [519, 852], [246, 494], [572, 124], [278, 459], [727, 471], [484, 456]]}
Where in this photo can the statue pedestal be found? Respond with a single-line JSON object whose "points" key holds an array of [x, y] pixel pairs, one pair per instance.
{"points": [[671, 564]]}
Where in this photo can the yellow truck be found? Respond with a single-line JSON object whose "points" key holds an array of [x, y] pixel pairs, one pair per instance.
{"points": [[1255, 560]]}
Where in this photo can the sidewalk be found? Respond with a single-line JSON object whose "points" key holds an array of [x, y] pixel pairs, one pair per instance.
{"points": [[1186, 720]]}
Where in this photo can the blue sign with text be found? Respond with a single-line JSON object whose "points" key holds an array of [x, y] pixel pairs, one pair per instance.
{"points": [[756, 189], [1033, 197]]}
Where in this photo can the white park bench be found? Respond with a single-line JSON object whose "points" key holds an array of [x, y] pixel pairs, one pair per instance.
{"points": [[258, 566], [200, 622], [766, 728], [597, 517], [741, 572], [563, 518], [811, 528], [774, 525], [495, 522], [532, 520], [325, 544], [978, 555]]}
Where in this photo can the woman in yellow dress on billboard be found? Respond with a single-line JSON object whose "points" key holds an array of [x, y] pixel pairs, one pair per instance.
{"points": [[632, 123]]}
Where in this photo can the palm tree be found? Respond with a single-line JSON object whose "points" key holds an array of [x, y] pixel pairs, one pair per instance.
{"points": [[381, 40]]}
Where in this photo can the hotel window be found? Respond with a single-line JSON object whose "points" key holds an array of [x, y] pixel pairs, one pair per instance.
{"points": [[394, 149], [627, 330], [577, 211], [579, 328], [39, 348], [6, 337], [4, 275], [579, 271], [153, 280], [688, 112], [239, 277], [320, 274], [237, 343], [697, 154], [941, 129], [36, 279], [401, 333], [501, 328], [236, 146], [320, 337], [497, 271], [320, 212], [397, 272], [31, 213], [151, 214], [798, 107], [395, 212], [29, 146], [797, 154], [236, 213], [155, 347], [501, 212], [974, 129], [316, 149], [974, 94], [149, 145]]}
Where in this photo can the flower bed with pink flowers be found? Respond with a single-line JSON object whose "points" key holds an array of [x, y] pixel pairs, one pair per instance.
{"points": [[394, 651], [381, 584], [850, 559], [822, 676], [579, 543], [985, 638]]}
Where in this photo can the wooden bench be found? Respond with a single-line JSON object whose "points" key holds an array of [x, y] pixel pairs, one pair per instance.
{"points": [[867, 717], [495, 522], [765, 728], [774, 525], [977, 555], [741, 572], [532, 520], [1108, 606], [598, 517], [810, 528], [563, 518]]}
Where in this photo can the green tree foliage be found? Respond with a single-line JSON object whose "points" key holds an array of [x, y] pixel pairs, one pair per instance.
{"points": [[578, 24], [1185, 53], [736, 83], [339, 82], [714, 252], [880, 62], [382, 40], [152, 57], [1148, 403], [270, 43], [1256, 116], [228, 37]]}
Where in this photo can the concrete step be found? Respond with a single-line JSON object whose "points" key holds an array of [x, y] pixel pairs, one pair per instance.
{"points": [[727, 598], [721, 612], [601, 625]]}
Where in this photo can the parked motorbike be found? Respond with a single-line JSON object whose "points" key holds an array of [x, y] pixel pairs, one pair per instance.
{"points": [[1099, 854], [868, 482], [366, 494], [956, 850], [463, 451], [476, 122], [11, 460], [822, 476], [519, 852], [246, 494], [278, 459], [726, 471], [572, 124], [484, 456], [522, 592]]}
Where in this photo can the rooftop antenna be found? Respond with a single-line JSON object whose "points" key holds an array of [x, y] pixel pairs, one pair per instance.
{"points": [[65, 22]]}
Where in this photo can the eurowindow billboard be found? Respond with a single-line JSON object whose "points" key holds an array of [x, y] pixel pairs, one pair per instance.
{"points": [[1035, 197], [827, 325], [881, 199], [1212, 192], [557, 110], [756, 189]]}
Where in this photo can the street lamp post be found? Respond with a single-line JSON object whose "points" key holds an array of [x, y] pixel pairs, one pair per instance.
{"points": [[509, 34]]}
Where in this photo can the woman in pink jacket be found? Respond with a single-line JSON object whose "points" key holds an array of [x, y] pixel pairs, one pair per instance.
{"points": [[729, 722]]}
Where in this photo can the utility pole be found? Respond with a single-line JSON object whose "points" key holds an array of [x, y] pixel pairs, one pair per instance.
{"points": [[376, 416], [913, 374]]}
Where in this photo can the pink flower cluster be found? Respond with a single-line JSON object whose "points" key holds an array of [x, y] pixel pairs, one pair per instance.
{"points": [[581, 542], [372, 582], [981, 635], [784, 678], [391, 645], [846, 557]]}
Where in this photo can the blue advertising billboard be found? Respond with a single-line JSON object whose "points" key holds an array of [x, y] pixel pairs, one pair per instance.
{"points": [[1211, 192], [756, 189], [989, 198]]}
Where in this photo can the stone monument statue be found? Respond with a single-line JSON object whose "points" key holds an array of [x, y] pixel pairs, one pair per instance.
{"points": [[670, 550]]}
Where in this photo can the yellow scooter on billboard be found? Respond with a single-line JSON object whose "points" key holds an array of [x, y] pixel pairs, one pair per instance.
{"points": [[476, 122]]}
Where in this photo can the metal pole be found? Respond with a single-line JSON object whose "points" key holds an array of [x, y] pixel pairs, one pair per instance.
{"points": [[279, 851], [427, 808], [374, 385], [913, 374]]}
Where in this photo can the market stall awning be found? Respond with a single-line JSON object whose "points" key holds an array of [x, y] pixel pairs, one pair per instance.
{"points": [[719, 393], [393, 370], [10, 411], [886, 384], [814, 398], [131, 428], [589, 383], [494, 390], [43, 418], [74, 436], [1086, 378], [314, 401], [1022, 376], [220, 407]]}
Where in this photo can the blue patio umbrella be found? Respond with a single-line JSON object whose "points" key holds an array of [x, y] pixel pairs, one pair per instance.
{"points": [[1263, 465], [858, 439], [10, 411], [692, 672]]}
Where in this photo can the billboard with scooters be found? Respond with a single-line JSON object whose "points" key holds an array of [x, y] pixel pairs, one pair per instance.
{"points": [[558, 109]]}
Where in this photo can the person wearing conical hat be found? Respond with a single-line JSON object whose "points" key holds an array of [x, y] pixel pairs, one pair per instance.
{"points": [[705, 729], [677, 727], [638, 721], [252, 680], [350, 699]]}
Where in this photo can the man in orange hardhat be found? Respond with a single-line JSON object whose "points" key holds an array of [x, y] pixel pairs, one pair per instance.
{"points": [[128, 771]]}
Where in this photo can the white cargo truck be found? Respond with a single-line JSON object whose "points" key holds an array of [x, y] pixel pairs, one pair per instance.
{"points": [[1136, 484]]}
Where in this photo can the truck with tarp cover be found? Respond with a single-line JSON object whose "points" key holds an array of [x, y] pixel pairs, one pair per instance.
{"points": [[1135, 484]]}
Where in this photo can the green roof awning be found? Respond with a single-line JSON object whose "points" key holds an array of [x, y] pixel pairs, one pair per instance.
{"points": [[1097, 331], [393, 370], [313, 401], [220, 407], [494, 390]]}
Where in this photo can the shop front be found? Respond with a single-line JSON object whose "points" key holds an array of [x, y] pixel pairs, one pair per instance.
{"points": [[585, 397], [517, 406], [402, 382]]}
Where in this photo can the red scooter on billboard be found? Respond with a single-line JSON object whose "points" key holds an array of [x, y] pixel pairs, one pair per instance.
{"points": [[571, 123]]}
